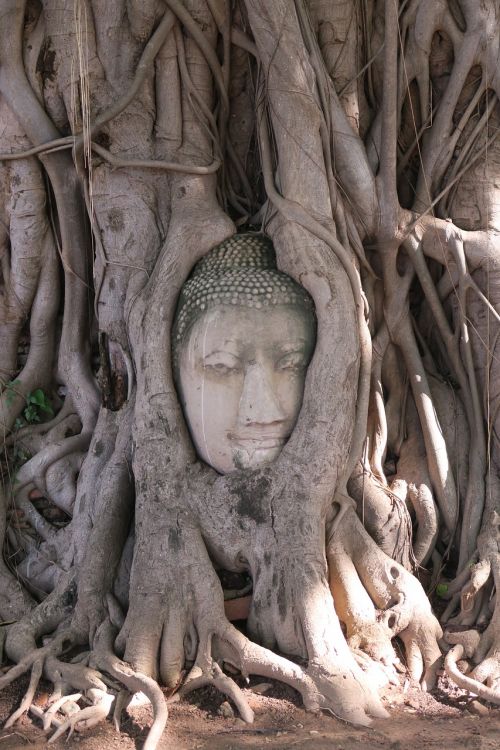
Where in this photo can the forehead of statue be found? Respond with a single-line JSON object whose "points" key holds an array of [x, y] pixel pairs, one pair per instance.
{"points": [[244, 330]]}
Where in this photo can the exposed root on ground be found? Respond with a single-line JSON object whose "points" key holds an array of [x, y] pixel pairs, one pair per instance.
{"points": [[378, 599], [469, 683]]}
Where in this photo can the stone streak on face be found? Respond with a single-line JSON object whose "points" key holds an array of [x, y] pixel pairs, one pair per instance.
{"points": [[241, 378]]}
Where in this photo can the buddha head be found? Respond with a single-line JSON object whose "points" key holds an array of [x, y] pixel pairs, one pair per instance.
{"points": [[243, 336]]}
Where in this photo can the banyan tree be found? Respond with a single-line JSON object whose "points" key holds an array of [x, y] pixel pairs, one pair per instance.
{"points": [[316, 183]]}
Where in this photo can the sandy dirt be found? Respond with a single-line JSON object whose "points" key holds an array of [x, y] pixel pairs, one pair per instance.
{"points": [[445, 719]]}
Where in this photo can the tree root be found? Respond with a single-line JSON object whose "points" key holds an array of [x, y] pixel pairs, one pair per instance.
{"points": [[378, 599], [36, 674], [87, 717], [384, 514], [30, 658], [464, 681], [122, 701], [14, 600], [213, 675], [55, 706], [322, 685], [70, 675], [133, 680]]}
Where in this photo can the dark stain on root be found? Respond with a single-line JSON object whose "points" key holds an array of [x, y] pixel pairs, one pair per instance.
{"points": [[68, 598], [175, 539], [253, 499]]}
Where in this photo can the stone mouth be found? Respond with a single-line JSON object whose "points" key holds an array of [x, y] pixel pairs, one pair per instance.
{"points": [[259, 442]]}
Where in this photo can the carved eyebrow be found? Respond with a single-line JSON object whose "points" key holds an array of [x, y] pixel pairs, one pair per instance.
{"points": [[213, 352], [290, 346]]}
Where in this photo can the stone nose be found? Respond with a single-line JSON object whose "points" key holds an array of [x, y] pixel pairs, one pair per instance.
{"points": [[259, 403]]}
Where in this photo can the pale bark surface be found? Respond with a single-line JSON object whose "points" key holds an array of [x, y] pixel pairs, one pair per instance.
{"points": [[362, 138]]}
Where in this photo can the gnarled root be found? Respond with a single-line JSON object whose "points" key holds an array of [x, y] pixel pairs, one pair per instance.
{"points": [[87, 717], [133, 681], [483, 649], [323, 685], [59, 704], [383, 513], [477, 587], [332, 680], [212, 674], [378, 599], [36, 673], [469, 683]]}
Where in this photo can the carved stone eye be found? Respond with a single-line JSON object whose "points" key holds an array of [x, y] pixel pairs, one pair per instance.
{"points": [[293, 361]]}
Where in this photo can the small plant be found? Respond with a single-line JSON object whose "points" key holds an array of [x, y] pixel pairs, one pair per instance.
{"points": [[37, 402], [441, 590]]}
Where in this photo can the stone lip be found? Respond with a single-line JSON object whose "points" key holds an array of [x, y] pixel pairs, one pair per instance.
{"points": [[267, 441]]}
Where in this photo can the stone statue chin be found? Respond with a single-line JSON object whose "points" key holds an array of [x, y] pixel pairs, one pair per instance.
{"points": [[243, 336]]}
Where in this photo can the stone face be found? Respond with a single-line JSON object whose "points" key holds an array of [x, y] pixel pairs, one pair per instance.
{"points": [[241, 380], [240, 363]]}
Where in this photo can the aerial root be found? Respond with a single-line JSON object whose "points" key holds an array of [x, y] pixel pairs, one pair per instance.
{"points": [[465, 682], [213, 675]]}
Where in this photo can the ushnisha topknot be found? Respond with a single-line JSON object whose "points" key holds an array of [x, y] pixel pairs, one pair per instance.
{"points": [[241, 271]]}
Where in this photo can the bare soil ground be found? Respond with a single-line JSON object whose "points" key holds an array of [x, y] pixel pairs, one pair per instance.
{"points": [[446, 718]]}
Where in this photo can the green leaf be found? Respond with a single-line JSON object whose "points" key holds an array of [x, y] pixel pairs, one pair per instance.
{"points": [[442, 590], [39, 398], [31, 414]]}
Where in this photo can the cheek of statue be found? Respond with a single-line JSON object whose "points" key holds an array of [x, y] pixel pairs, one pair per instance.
{"points": [[241, 379]]}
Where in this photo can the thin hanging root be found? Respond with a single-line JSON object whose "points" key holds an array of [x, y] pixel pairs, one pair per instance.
{"points": [[216, 677], [54, 708], [450, 608], [467, 683], [36, 674]]}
